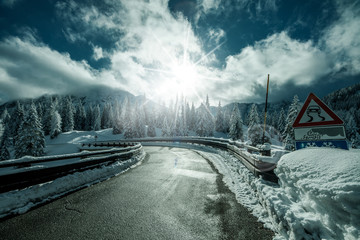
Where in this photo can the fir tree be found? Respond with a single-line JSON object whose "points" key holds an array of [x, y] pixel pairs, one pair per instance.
{"points": [[201, 128], [80, 117], [55, 124], [129, 131], [192, 118], [281, 121], [89, 121], [235, 131], [106, 118], [4, 138], [352, 130], [15, 121], [219, 122], [30, 138], [253, 116], [165, 130], [51, 107], [289, 134], [97, 118], [67, 115], [119, 116]]}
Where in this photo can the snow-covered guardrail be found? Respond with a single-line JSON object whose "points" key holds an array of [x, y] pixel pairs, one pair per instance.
{"points": [[239, 150], [27, 171]]}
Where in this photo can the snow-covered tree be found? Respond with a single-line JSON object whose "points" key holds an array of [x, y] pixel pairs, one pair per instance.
{"points": [[89, 121], [106, 116], [219, 122], [15, 120], [55, 124], [119, 116], [129, 128], [210, 122], [235, 131], [4, 136], [80, 117], [201, 126], [352, 130], [192, 118], [289, 135], [30, 138], [139, 119], [67, 115], [281, 121], [165, 129], [97, 118], [50, 106], [253, 116]]}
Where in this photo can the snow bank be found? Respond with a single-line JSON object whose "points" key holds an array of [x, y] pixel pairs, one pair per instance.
{"points": [[322, 188], [317, 197], [20, 201]]}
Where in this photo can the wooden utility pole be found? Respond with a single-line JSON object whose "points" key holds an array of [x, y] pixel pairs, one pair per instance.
{"points": [[266, 102]]}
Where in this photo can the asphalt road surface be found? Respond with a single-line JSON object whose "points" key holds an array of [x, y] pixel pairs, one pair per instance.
{"points": [[173, 194]]}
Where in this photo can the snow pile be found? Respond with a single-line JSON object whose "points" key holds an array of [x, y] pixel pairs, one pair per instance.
{"points": [[322, 188], [317, 197], [20, 201]]}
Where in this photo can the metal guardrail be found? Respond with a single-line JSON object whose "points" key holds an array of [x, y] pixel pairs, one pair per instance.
{"points": [[27, 171], [256, 166]]}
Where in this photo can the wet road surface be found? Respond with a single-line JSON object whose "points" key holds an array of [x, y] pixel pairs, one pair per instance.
{"points": [[173, 194]]}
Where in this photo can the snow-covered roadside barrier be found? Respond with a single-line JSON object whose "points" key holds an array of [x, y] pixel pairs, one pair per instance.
{"points": [[20, 201], [317, 197]]}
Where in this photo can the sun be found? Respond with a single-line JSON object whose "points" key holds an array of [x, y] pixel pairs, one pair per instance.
{"points": [[180, 80]]}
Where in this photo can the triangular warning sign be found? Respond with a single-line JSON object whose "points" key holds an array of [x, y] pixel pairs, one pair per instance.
{"points": [[315, 113]]}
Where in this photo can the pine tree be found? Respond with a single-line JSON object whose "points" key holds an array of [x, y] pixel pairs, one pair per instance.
{"points": [[289, 134], [352, 130], [80, 117], [50, 107], [30, 138], [219, 122], [201, 128], [4, 138], [67, 115], [55, 124], [235, 131], [253, 116], [165, 130], [97, 118], [139, 126], [89, 121], [129, 131], [106, 117], [119, 116], [192, 118], [281, 121], [210, 123], [16, 118]]}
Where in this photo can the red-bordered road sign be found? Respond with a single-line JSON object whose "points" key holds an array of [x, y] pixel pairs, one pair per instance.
{"points": [[315, 113]]}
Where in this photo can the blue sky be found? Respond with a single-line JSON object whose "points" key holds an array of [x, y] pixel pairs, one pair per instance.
{"points": [[224, 48]]}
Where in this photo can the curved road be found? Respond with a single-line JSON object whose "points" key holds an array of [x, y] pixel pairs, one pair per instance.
{"points": [[173, 194]]}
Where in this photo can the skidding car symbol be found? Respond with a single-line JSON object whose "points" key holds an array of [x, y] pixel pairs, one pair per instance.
{"points": [[314, 109]]}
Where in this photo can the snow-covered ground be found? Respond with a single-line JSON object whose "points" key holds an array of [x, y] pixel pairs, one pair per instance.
{"points": [[317, 197]]}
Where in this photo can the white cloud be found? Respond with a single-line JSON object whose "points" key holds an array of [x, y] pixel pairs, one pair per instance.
{"points": [[30, 70], [286, 59], [98, 53], [341, 40]]}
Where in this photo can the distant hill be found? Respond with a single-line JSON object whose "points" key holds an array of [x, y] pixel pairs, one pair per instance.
{"points": [[344, 99]]}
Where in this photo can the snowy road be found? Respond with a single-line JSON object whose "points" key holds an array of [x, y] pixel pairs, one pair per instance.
{"points": [[173, 194]]}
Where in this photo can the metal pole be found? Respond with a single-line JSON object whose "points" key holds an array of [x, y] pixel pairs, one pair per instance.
{"points": [[266, 102]]}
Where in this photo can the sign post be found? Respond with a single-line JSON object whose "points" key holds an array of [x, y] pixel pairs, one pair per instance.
{"points": [[318, 126]]}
